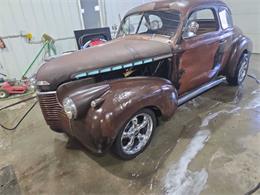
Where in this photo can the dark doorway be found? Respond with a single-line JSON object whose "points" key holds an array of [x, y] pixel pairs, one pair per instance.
{"points": [[91, 15]]}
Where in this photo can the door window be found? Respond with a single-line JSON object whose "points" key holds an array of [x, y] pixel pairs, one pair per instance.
{"points": [[225, 19], [205, 19]]}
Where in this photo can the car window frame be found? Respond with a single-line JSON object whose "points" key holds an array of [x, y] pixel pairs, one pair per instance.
{"points": [[143, 12], [216, 16], [229, 15]]}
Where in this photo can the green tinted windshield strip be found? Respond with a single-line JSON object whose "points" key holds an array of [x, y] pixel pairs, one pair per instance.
{"points": [[94, 72], [117, 68], [138, 63], [128, 65], [81, 75], [105, 70]]}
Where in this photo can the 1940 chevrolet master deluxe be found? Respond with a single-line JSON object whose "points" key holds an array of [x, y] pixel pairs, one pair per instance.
{"points": [[166, 53]]}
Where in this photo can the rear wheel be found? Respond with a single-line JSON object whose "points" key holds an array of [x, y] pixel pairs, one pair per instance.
{"points": [[136, 135], [241, 71], [3, 94]]}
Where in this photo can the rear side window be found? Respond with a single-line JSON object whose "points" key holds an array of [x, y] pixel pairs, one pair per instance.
{"points": [[205, 14], [225, 19]]}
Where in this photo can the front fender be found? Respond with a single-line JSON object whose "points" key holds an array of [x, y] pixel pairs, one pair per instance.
{"points": [[242, 44], [122, 100]]}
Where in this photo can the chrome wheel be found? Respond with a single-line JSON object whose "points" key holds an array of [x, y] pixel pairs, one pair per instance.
{"points": [[243, 70], [137, 133]]}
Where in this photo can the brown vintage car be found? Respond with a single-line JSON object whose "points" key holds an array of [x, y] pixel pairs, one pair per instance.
{"points": [[166, 53]]}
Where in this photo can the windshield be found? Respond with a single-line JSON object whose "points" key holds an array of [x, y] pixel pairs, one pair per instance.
{"points": [[152, 22]]}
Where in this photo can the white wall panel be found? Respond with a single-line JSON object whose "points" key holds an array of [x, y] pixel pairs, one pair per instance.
{"points": [[246, 14], [58, 18]]}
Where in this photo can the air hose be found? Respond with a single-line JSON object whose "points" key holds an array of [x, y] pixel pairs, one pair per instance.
{"points": [[21, 120], [254, 77]]}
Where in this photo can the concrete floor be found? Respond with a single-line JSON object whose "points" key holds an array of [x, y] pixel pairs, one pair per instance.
{"points": [[211, 146]]}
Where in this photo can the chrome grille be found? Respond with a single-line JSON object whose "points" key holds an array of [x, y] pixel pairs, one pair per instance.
{"points": [[53, 111]]}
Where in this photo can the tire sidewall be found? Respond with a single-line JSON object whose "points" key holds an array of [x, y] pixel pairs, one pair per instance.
{"points": [[235, 80], [6, 94], [117, 147]]}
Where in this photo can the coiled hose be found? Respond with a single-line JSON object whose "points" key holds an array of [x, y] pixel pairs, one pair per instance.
{"points": [[21, 120]]}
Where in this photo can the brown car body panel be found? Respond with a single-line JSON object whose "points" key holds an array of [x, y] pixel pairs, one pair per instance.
{"points": [[115, 52], [97, 127], [194, 62], [239, 45]]}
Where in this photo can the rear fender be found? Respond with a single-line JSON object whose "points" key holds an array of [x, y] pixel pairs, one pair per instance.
{"points": [[243, 44]]}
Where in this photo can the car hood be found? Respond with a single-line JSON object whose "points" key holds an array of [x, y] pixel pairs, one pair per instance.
{"points": [[116, 52]]}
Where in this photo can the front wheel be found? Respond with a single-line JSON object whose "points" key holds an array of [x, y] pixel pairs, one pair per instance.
{"points": [[136, 135], [241, 71]]}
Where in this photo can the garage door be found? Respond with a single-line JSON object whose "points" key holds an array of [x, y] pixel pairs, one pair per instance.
{"points": [[246, 15]]}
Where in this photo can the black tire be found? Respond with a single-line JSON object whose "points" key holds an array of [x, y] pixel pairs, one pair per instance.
{"points": [[239, 77], [3, 94], [118, 148]]}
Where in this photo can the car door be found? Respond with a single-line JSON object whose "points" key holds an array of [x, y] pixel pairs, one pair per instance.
{"points": [[203, 52]]}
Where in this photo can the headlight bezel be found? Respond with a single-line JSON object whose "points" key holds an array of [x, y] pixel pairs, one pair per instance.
{"points": [[70, 108]]}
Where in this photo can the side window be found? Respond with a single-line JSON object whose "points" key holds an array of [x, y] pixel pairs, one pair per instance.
{"points": [[225, 19], [206, 20], [155, 22], [205, 14]]}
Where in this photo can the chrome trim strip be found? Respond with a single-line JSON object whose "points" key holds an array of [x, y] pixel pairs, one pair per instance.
{"points": [[162, 57], [200, 90], [46, 93]]}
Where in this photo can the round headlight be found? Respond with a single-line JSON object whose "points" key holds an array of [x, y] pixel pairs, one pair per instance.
{"points": [[70, 108]]}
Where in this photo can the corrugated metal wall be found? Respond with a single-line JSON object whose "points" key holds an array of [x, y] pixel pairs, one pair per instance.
{"points": [[57, 18]]}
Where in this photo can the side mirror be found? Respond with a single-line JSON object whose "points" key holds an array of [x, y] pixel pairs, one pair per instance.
{"points": [[191, 30]]}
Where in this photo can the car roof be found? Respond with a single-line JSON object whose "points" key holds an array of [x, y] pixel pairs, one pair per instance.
{"points": [[182, 6]]}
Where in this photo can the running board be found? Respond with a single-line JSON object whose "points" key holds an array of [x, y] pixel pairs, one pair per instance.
{"points": [[201, 90]]}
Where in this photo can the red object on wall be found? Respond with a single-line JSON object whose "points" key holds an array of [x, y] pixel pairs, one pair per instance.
{"points": [[95, 42], [2, 44]]}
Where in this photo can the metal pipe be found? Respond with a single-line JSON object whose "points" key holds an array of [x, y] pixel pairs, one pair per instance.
{"points": [[102, 13], [80, 15], [34, 60], [12, 36], [37, 42], [200, 90]]}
